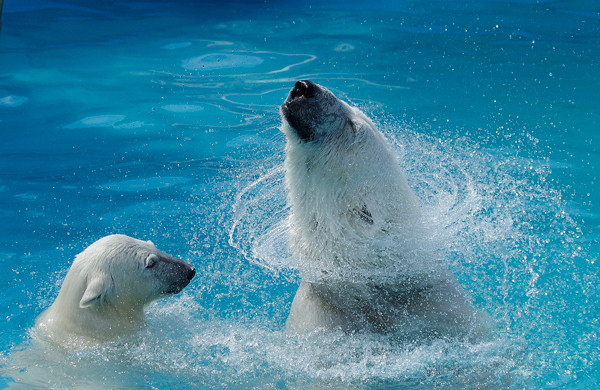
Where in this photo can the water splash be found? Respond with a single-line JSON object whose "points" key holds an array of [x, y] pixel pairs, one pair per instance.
{"points": [[497, 222]]}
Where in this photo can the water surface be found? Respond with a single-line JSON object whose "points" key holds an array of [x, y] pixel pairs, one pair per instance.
{"points": [[160, 120]]}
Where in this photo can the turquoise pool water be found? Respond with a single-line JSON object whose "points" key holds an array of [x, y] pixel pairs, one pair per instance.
{"points": [[160, 120]]}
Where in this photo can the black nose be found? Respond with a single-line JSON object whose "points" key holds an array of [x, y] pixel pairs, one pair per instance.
{"points": [[304, 88], [191, 273]]}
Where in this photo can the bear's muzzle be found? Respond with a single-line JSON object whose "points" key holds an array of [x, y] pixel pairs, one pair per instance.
{"points": [[299, 109]]}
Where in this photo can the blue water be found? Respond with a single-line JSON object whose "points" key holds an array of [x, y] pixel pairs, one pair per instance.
{"points": [[160, 120]]}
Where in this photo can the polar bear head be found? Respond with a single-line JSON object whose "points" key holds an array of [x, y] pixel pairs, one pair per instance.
{"points": [[329, 139], [125, 271], [334, 149], [108, 285]]}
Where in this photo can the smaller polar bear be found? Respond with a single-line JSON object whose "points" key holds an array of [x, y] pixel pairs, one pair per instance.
{"points": [[105, 290], [355, 228]]}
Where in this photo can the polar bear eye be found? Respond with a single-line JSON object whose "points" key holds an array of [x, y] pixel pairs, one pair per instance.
{"points": [[151, 260]]}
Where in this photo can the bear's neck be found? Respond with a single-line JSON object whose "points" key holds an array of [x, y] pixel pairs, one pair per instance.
{"points": [[329, 191], [352, 217]]}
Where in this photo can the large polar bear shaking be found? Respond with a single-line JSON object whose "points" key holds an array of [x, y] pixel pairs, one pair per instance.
{"points": [[108, 285], [356, 232]]}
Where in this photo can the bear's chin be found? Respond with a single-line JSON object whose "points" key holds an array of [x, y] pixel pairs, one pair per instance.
{"points": [[174, 290], [304, 132]]}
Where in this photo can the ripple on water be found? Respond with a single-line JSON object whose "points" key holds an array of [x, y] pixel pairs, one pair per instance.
{"points": [[344, 47], [179, 108], [261, 62], [26, 196], [214, 61], [13, 101], [112, 121], [211, 115], [175, 46]]}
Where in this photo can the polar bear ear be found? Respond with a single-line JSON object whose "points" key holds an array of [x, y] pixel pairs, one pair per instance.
{"points": [[95, 291]]}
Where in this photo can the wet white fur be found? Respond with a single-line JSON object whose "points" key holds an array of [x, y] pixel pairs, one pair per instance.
{"points": [[359, 271], [104, 292]]}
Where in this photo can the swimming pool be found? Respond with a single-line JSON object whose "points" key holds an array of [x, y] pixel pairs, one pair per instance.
{"points": [[160, 120]]}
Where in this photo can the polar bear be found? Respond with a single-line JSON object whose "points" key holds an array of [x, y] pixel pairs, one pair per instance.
{"points": [[356, 232], [105, 290]]}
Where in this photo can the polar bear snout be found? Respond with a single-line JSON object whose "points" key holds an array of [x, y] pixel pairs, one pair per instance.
{"points": [[176, 274], [311, 112], [302, 108]]}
